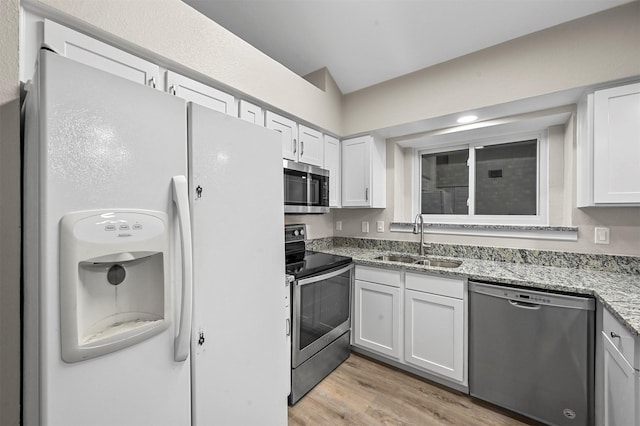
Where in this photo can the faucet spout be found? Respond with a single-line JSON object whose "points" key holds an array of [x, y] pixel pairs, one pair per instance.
{"points": [[418, 227]]}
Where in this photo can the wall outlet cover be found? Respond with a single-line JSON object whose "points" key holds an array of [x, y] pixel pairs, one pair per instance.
{"points": [[338, 225], [380, 226], [365, 227], [601, 235]]}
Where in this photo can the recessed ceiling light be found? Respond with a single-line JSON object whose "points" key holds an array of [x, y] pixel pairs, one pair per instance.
{"points": [[467, 119]]}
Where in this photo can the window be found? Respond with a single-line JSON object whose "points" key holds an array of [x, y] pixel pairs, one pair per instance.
{"points": [[499, 181]]}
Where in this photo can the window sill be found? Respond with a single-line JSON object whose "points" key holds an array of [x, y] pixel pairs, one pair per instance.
{"points": [[561, 233]]}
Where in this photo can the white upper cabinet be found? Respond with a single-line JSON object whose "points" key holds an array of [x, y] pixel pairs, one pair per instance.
{"points": [[289, 131], [199, 93], [609, 147], [363, 172], [332, 163], [251, 113], [311, 146], [89, 51], [299, 143]]}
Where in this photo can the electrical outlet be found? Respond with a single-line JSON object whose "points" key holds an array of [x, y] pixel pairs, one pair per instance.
{"points": [[338, 225], [380, 226], [601, 235], [365, 227]]}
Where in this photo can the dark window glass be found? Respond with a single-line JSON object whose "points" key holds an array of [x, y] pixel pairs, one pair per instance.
{"points": [[506, 179], [445, 183]]}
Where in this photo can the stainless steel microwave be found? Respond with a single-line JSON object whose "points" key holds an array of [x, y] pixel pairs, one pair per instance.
{"points": [[306, 188]]}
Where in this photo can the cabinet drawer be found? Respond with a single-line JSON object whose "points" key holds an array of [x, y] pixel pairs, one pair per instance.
{"points": [[451, 287], [625, 343], [381, 276]]}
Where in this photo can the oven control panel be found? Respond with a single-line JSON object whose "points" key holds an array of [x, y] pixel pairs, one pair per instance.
{"points": [[294, 233]]}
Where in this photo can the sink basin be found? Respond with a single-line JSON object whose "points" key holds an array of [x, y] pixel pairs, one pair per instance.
{"points": [[439, 263], [424, 262], [396, 258]]}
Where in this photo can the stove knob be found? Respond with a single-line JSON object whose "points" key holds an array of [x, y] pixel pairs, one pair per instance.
{"points": [[302, 232], [295, 233]]}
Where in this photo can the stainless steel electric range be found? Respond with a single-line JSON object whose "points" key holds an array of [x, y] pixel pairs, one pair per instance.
{"points": [[320, 311]]}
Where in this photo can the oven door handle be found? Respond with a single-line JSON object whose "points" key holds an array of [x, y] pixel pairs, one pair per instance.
{"points": [[322, 277]]}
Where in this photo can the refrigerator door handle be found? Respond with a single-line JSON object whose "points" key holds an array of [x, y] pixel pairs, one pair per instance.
{"points": [[181, 199]]}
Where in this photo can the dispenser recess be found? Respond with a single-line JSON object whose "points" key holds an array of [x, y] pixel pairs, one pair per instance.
{"points": [[114, 280]]}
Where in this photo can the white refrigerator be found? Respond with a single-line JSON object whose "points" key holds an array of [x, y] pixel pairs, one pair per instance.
{"points": [[153, 258]]}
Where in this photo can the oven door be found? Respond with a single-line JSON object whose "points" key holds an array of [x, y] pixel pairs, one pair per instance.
{"points": [[321, 312]]}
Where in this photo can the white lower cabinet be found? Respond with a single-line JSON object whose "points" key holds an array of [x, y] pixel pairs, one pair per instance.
{"points": [[377, 318], [620, 378], [434, 333], [413, 319]]}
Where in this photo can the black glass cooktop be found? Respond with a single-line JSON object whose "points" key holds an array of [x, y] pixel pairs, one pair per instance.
{"points": [[314, 263]]}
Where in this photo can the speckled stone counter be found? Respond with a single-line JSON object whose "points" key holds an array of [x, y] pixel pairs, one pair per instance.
{"points": [[619, 292]]}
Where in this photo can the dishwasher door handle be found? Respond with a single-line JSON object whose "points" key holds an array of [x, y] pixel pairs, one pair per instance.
{"points": [[524, 305]]}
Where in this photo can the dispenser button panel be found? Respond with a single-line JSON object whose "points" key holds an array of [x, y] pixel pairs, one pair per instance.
{"points": [[115, 226]]}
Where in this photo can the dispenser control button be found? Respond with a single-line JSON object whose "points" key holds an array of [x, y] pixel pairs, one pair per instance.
{"points": [[137, 226], [124, 227], [110, 227]]}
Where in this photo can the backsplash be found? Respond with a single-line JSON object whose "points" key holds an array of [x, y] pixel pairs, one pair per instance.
{"points": [[596, 262]]}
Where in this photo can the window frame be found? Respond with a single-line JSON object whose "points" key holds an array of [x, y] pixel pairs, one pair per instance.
{"points": [[542, 184]]}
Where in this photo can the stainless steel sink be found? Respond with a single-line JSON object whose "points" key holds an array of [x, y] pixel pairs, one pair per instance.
{"points": [[439, 263], [396, 258]]}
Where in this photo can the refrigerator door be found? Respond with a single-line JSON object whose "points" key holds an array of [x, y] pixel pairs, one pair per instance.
{"points": [[95, 141], [238, 359]]}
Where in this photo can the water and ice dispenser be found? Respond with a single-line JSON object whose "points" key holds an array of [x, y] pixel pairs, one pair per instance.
{"points": [[114, 280]]}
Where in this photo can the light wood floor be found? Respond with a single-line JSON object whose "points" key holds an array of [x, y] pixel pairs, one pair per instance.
{"points": [[363, 391]]}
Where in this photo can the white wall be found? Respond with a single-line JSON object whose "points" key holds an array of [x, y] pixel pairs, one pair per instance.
{"points": [[590, 50]]}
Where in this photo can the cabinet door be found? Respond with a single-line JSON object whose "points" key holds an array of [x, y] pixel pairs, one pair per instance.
{"points": [[251, 113], [311, 146], [97, 54], [194, 91], [289, 130], [434, 333], [356, 172], [620, 383], [376, 319], [332, 163], [616, 145]]}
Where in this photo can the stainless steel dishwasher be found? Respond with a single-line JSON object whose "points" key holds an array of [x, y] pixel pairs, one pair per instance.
{"points": [[533, 352]]}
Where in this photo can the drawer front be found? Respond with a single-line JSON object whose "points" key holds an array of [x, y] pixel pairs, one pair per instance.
{"points": [[621, 338], [376, 275], [451, 287]]}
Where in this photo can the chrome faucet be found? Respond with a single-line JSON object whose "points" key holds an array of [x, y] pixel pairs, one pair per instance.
{"points": [[419, 221]]}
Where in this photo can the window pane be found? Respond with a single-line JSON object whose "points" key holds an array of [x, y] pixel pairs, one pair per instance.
{"points": [[445, 183], [506, 179]]}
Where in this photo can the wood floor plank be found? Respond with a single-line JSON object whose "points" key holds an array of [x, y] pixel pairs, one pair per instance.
{"points": [[363, 391]]}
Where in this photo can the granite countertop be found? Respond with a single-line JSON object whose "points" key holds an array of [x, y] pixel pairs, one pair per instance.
{"points": [[620, 293]]}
